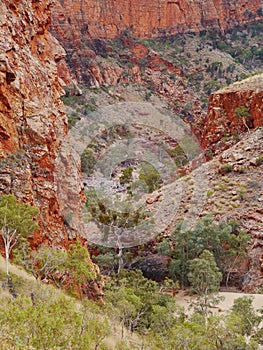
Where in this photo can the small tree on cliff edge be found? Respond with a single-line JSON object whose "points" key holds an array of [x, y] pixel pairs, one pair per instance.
{"points": [[242, 112], [16, 221]]}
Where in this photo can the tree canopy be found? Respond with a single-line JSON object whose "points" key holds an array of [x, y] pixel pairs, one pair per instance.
{"points": [[224, 239]]}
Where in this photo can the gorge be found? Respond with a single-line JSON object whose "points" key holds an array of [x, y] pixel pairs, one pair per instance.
{"points": [[93, 48]]}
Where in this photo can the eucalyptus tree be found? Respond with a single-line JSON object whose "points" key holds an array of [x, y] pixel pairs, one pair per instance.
{"points": [[17, 220]]}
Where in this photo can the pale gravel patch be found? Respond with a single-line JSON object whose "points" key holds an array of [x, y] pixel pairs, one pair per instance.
{"points": [[225, 305]]}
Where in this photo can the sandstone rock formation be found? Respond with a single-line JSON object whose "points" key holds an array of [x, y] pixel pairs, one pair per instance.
{"points": [[223, 119], [81, 27], [73, 19], [35, 163], [245, 158]]}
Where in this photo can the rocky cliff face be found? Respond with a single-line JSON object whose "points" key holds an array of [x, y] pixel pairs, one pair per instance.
{"points": [[232, 110], [82, 25], [35, 163], [73, 19]]}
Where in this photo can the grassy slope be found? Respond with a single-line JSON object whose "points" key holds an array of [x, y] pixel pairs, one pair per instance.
{"points": [[26, 284]]}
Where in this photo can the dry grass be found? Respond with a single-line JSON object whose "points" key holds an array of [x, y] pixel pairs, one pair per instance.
{"points": [[15, 270], [254, 83]]}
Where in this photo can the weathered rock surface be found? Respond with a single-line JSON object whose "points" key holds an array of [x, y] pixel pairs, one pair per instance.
{"points": [[223, 119], [73, 19], [245, 182], [81, 27], [35, 163], [235, 195]]}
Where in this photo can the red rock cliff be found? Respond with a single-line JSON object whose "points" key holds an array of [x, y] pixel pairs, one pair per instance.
{"points": [[81, 25], [146, 18], [35, 163], [224, 118]]}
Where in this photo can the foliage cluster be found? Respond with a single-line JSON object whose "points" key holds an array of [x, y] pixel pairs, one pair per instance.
{"points": [[142, 306], [150, 176], [199, 257], [73, 119], [259, 160], [226, 168], [105, 215], [139, 304], [16, 222], [126, 175], [237, 43], [53, 323], [242, 111], [223, 240], [41, 318], [69, 269], [88, 161], [178, 155]]}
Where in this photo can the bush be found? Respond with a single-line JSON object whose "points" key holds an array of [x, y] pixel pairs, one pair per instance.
{"points": [[52, 323], [150, 176], [126, 176], [88, 161], [259, 160], [72, 120], [242, 111], [226, 168], [178, 155]]}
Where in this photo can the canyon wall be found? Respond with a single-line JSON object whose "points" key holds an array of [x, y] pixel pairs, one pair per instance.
{"points": [[73, 19], [36, 163], [82, 25]]}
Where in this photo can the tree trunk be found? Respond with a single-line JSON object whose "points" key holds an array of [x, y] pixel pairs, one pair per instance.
{"points": [[229, 270], [120, 257], [120, 265], [7, 259], [245, 123]]}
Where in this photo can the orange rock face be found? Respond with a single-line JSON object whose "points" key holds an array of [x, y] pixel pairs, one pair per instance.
{"points": [[79, 25], [35, 163], [73, 19], [223, 118]]}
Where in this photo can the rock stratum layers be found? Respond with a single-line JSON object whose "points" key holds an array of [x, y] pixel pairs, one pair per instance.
{"points": [[36, 163], [82, 25], [107, 19]]}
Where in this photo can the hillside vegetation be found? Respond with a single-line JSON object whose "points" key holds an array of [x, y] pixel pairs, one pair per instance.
{"points": [[135, 313]]}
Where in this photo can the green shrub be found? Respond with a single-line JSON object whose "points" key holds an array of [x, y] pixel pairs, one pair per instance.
{"points": [[89, 107], [259, 160], [72, 120], [241, 111], [178, 155], [126, 176], [88, 161], [226, 168], [150, 176]]}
